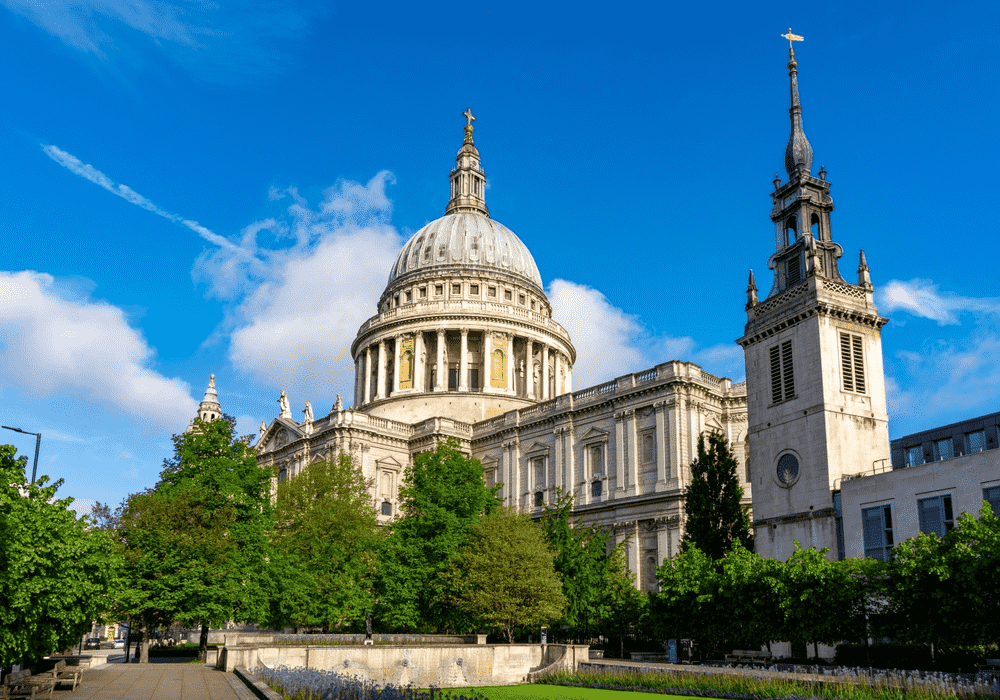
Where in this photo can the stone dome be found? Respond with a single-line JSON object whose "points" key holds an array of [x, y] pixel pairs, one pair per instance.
{"points": [[466, 239]]}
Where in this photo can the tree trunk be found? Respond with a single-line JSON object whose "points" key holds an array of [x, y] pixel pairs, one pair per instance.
{"points": [[144, 643], [203, 642]]}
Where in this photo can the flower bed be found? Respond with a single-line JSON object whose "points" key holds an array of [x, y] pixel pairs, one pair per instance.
{"points": [[310, 684], [754, 684]]}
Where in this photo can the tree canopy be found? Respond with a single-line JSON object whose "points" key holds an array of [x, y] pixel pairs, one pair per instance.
{"points": [[503, 575], [443, 495], [715, 517], [55, 571], [326, 545]]}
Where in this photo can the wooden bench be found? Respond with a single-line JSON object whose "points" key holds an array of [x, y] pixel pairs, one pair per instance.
{"points": [[745, 656], [23, 685], [62, 673]]}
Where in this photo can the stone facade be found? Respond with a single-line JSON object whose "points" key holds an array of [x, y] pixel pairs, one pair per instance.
{"points": [[813, 349], [464, 346]]}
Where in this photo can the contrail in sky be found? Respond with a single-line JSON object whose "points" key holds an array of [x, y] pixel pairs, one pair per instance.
{"points": [[89, 172]]}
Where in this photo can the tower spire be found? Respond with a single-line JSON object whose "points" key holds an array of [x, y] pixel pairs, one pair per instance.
{"points": [[468, 180], [798, 152]]}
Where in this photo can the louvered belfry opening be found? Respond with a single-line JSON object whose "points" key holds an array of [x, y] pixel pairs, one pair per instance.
{"points": [[782, 374], [852, 362]]}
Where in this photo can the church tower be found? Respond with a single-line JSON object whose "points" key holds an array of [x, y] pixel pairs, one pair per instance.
{"points": [[209, 409], [813, 351]]}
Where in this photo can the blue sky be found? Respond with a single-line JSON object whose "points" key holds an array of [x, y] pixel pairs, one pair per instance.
{"points": [[192, 188]]}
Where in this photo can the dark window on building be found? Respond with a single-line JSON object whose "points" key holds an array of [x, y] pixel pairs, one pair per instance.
{"points": [[438, 289], [852, 362], [839, 520], [944, 449], [452, 379], [595, 489], [877, 525], [794, 267], [423, 292], [409, 296], [474, 378], [491, 292], [648, 445], [386, 508], [782, 373], [975, 442], [539, 499], [520, 299], [991, 495], [282, 475], [456, 289], [474, 289], [914, 456], [788, 469], [508, 295], [935, 515]]}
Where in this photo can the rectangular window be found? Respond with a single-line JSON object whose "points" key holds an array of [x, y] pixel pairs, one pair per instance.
{"points": [[991, 495], [944, 449], [473, 378], [452, 379], [508, 295], [538, 465], [520, 299], [532, 304], [648, 445], [491, 292], [595, 489], [914, 456], [456, 289], [839, 520], [423, 292], [438, 289], [975, 442], [539, 499], [409, 297], [877, 525], [596, 461], [794, 271], [474, 289], [935, 515], [782, 374], [852, 362]]}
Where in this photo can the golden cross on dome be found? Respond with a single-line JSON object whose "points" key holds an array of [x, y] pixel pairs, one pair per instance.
{"points": [[468, 115], [792, 37]]}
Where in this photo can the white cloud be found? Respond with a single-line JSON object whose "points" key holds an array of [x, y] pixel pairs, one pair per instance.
{"points": [[611, 342], [218, 40], [946, 380], [922, 298], [86, 349], [298, 310], [89, 172]]}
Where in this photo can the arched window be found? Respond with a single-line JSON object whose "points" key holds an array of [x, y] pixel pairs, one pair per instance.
{"points": [[791, 230], [814, 225], [386, 508], [595, 489]]}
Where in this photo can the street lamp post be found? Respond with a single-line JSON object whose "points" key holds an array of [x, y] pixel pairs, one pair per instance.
{"points": [[38, 443]]}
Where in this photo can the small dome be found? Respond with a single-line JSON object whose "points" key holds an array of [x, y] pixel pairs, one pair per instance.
{"points": [[466, 239]]}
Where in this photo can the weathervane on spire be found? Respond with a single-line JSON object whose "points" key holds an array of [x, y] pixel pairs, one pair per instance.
{"points": [[468, 125], [792, 37]]}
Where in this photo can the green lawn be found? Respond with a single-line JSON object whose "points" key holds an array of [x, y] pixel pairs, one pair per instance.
{"points": [[530, 691]]}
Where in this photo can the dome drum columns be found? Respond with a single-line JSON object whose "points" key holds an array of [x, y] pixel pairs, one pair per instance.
{"points": [[468, 360]]}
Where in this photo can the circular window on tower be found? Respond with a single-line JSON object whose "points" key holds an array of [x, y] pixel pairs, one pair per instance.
{"points": [[788, 470]]}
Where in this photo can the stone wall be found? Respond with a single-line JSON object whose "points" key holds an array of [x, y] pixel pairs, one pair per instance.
{"points": [[442, 666]]}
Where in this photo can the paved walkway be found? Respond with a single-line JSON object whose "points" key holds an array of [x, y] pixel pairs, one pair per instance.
{"points": [[156, 681]]}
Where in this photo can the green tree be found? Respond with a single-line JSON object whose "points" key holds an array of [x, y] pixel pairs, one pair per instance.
{"points": [[715, 518], [685, 605], [55, 570], [944, 589], [815, 594], [749, 598], [620, 607], [326, 544], [224, 468], [176, 550], [443, 495], [503, 575], [581, 560]]}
